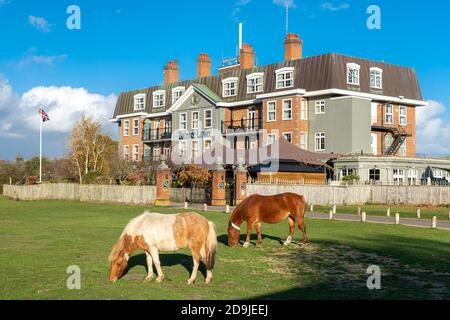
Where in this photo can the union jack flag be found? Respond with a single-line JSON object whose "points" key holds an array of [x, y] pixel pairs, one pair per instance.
{"points": [[44, 115]]}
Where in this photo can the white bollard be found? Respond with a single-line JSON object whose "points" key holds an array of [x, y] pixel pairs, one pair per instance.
{"points": [[185, 205], [449, 215], [330, 216], [227, 208], [205, 207], [388, 212], [311, 208], [434, 223], [363, 217], [397, 218], [418, 213], [334, 209], [359, 211]]}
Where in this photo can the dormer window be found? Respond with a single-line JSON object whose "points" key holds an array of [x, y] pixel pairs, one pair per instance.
{"points": [[255, 83], [139, 101], [285, 78], [159, 99], [353, 70], [177, 93], [229, 87], [376, 78]]}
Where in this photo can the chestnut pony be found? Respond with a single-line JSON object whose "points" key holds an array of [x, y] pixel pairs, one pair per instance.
{"points": [[257, 209], [154, 232]]}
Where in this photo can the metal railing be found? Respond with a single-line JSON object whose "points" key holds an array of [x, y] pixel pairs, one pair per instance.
{"points": [[241, 126], [157, 134]]}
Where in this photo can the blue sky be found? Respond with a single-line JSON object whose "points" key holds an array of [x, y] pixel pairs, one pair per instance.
{"points": [[123, 45]]}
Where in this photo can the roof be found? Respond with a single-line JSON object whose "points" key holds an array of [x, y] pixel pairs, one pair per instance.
{"points": [[327, 71]]}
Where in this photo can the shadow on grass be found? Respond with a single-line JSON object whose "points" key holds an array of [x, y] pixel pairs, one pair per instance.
{"points": [[411, 268], [223, 238]]}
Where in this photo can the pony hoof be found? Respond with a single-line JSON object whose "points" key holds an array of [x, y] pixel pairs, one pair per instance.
{"points": [[208, 281], [246, 245], [160, 279], [258, 244], [286, 243], [190, 282], [148, 279]]}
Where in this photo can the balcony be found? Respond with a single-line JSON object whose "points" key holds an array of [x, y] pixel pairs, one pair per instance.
{"points": [[241, 126], [157, 135]]}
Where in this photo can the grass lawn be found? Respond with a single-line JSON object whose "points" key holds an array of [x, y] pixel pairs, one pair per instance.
{"points": [[380, 210], [39, 240]]}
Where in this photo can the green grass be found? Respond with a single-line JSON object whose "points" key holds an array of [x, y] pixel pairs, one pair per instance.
{"points": [[39, 240], [378, 210]]}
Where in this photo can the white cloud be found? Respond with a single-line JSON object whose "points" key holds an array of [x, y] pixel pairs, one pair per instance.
{"points": [[285, 3], [433, 131], [6, 93], [237, 9], [331, 7], [39, 23], [32, 57]]}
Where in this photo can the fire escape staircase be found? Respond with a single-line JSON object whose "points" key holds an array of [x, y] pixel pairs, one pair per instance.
{"points": [[398, 134]]}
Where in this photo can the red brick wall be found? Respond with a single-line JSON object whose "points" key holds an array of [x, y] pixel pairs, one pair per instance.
{"points": [[131, 139]]}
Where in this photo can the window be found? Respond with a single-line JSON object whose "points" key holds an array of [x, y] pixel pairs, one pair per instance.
{"points": [[208, 118], [353, 74], [182, 149], [255, 83], [126, 152], [271, 138], [389, 114], [304, 140], [229, 87], [159, 99], [287, 109], [135, 127], [207, 143], [177, 93], [399, 176], [348, 172], [412, 176], [304, 110], [403, 117], [288, 136], [320, 107], [375, 175], [156, 152], [183, 121], [194, 149], [285, 78], [139, 101], [376, 78], [320, 141], [374, 112], [271, 111], [167, 150], [126, 128], [402, 150], [195, 120], [135, 152], [374, 144]]}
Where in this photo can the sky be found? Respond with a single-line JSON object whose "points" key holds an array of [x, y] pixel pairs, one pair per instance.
{"points": [[123, 45]]}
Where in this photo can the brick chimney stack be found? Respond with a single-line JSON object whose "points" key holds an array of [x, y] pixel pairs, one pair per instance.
{"points": [[203, 66], [293, 47], [247, 57], [171, 72]]}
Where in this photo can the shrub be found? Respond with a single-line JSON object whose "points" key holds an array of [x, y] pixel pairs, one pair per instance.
{"points": [[105, 180], [349, 179], [89, 178], [31, 180]]}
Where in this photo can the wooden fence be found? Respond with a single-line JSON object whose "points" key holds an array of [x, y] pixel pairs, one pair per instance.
{"points": [[88, 193], [181, 195], [359, 194]]}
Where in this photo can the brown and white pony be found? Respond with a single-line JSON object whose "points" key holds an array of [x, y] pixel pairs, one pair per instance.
{"points": [[257, 209], [154, 233]]}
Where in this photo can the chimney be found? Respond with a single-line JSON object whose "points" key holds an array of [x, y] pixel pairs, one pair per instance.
{"points": [[203, 66], [171, 72], [247, 57], [292, 47]]}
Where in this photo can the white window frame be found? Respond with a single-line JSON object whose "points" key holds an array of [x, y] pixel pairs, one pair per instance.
{"points": [[206, 118], [304, 109], [126, 128], [182, 149], [403, 118], [288, 133], [374, 112], [398, 175], [139, 101], [204, 144], [227, 90], [274, 103], [402, 150], [291, 109], [135, 151], [318, 141], [386, 114], [183, 123], [320, 107], [195, 152], [355, 78], [197, 122], [135, 127], [304, 145], [126, 152], [274, 135], [177, 92], [255, 87], [281, 78], [157, 99], [376, 78], [374, 143]]}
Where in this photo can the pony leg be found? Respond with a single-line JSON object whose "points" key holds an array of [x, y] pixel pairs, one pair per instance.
{"points": [[291, 231], [258, 230], [302, 227], [155, 257], [249, 233], [209, 273], [196, 260], [150, 274]]}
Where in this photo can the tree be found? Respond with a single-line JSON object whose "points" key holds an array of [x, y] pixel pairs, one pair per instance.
{"points": [[193, 175]]}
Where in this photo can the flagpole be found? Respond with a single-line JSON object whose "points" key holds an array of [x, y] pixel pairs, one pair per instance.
{"points": [[40, 150]]}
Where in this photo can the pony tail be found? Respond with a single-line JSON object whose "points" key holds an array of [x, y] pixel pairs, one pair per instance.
{"points": [[211, 246]]}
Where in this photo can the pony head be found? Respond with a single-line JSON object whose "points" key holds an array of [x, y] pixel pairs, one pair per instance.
{"points": [[119, 257], [233, 234]]}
